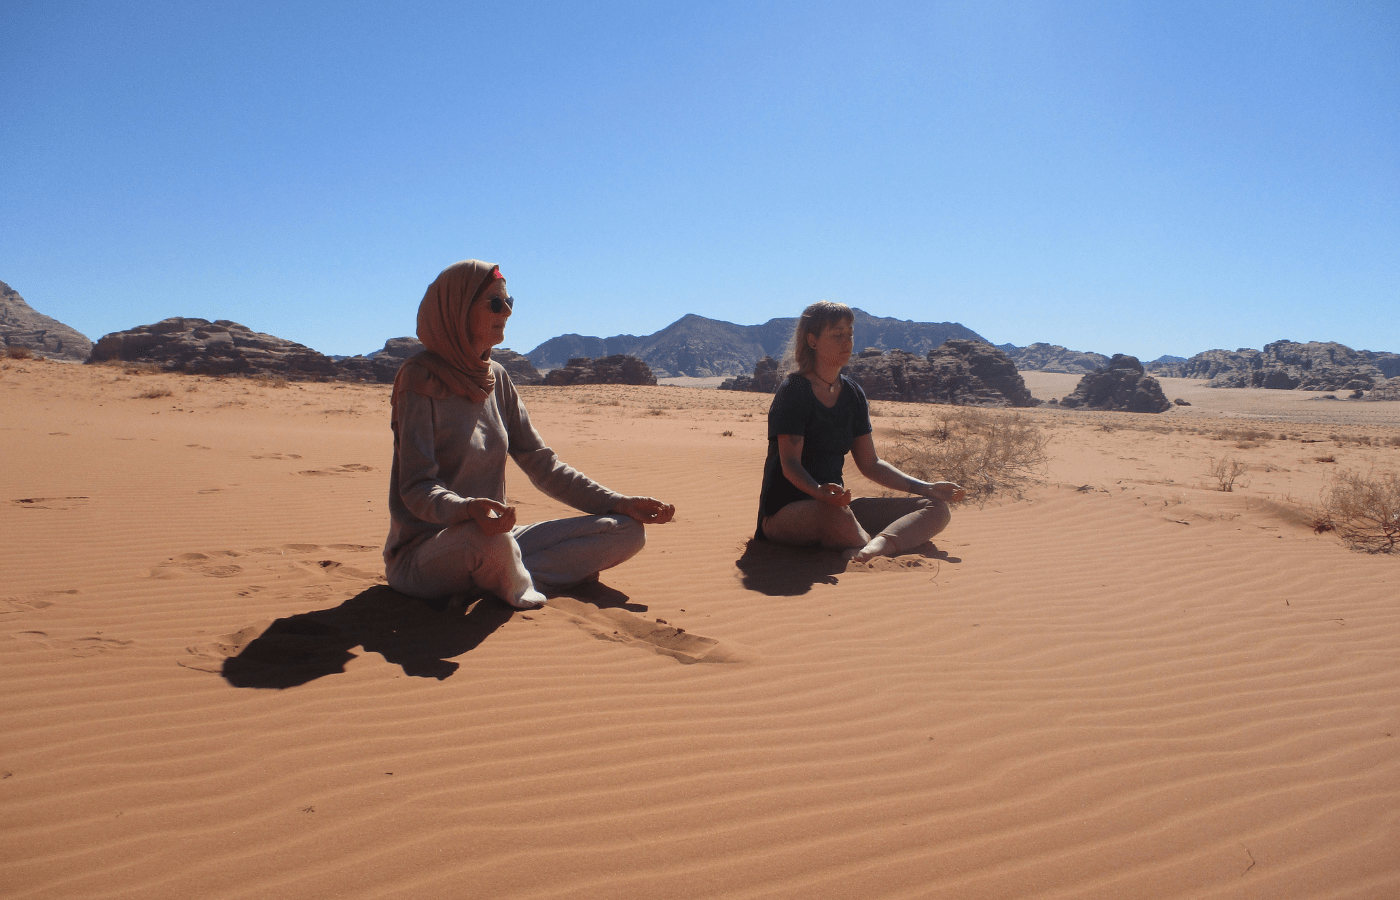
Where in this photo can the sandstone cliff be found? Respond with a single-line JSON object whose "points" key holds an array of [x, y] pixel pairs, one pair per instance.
{"points": [[23, 326]]}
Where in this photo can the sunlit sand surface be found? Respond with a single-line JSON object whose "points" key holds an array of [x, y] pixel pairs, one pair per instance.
{"points": [[1128, 684]]}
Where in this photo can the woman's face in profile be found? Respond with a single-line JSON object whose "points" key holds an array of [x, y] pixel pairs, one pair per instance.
{"points": [[834, 345], [486, 328]]}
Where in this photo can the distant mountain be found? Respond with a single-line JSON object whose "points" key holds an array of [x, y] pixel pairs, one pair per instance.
{"points": [[702, 348], [23, 326], [1053, 358]]}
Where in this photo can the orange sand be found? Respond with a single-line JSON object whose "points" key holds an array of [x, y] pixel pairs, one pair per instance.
{"points": [[1126, 685]]}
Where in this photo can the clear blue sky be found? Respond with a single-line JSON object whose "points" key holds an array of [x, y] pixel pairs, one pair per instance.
{"points": [[1138, 177]]}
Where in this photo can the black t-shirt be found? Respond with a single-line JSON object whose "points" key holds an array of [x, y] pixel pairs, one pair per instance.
{"points": [[827, 436]]}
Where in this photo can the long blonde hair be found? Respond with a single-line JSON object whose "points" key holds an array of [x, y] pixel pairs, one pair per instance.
{"points": [[814, 320]]}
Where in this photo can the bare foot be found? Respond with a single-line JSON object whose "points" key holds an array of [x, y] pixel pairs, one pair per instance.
{"points": [[879, 546], [530, 599]]}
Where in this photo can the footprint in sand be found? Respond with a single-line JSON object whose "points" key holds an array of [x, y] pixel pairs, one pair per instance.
{"points": [[50, 502], [623, 627], [96, 644], [347, 469], [18, 603], [891, 564]]}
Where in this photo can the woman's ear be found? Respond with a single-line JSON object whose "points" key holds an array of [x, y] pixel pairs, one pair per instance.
{"points": [[811, 341]]}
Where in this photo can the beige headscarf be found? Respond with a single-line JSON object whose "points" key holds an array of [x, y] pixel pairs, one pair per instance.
{"points": [[448, 366]]}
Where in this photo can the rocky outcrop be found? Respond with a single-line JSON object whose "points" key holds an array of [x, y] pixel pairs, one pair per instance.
{"points": [[1288, 365], [23, 326], [1040, 357], [201, 347], [765, 378], [1387, 390], [974, 373], [381, 366], [617, 369], [965, 373], [518, 366], [1122, 385]]}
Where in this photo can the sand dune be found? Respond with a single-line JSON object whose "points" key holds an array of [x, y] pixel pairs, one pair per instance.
{"points": [[1128, 684]]}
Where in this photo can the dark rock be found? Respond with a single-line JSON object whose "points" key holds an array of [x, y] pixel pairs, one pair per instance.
{"points": [[23, 326], [966, 373], [1123, 384], [765, 378], [1040, 357], [616, 369], [381, 366], [201, 347], [518, 366], [1180, 402]]}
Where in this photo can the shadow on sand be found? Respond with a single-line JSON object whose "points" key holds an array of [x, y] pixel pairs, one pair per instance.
{"points": [[780, 571], [421, 637]]}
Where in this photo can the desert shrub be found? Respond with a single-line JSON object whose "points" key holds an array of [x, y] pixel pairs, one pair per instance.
{"points": [[1364, 510], [155, 393], [1226, 471], [19, 351], [984, 452]]}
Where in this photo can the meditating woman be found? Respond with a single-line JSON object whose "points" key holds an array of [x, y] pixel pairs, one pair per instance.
{"points": [[817, 416], [456, 417]]}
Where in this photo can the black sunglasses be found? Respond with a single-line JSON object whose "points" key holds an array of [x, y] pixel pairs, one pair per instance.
{"points": [[497, 302]]}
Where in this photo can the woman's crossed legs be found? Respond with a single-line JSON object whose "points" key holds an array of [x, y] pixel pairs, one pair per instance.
{"points": [[899, 524], [546, 556]]}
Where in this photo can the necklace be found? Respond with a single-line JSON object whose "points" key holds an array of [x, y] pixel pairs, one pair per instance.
{"points": [[830, 385]]}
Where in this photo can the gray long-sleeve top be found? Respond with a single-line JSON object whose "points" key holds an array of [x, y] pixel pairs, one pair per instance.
{"points": [[450, 451]]}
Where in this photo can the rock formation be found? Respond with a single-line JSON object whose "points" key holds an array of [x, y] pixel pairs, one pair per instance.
{"points": [[1387, 390], [1123, 384], [383, 365], [765, 378], [201, 347], [965, 373], [617, 369], [1040, 357], [974, 373], [23, 326], [1288, 365]]}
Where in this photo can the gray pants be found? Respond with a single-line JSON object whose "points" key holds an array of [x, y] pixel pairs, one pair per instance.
{"points": [[552, 554]]}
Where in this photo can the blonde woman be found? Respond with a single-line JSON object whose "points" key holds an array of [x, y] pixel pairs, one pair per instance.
{"points": [[456, 418], [817, 417]]}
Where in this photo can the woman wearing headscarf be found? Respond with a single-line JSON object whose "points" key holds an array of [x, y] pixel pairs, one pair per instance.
{"points": [[817, 417], [456, 418]]}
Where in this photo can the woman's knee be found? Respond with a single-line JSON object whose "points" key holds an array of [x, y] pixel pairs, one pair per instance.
{"points": [[630, 534]]}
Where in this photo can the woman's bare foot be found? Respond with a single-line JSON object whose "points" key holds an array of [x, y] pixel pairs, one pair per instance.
{"points": [[879, 546], [530, 599]]}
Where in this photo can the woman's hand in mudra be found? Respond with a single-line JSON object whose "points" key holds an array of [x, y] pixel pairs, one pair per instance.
{"points": [[834, 494], [491, 517], [647, 510], [946, 491]]}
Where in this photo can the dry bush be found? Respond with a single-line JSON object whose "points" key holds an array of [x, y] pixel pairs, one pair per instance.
{"points": [[1363, 509], [155, 393], [1226, 471], [19, 351], [273, 381], [984, 452]]}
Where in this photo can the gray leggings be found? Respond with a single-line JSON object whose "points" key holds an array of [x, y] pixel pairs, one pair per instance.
{"points": [[552, 554]]}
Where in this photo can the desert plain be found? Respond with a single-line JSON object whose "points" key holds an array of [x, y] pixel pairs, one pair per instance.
{"points": [[1124, 683]]}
